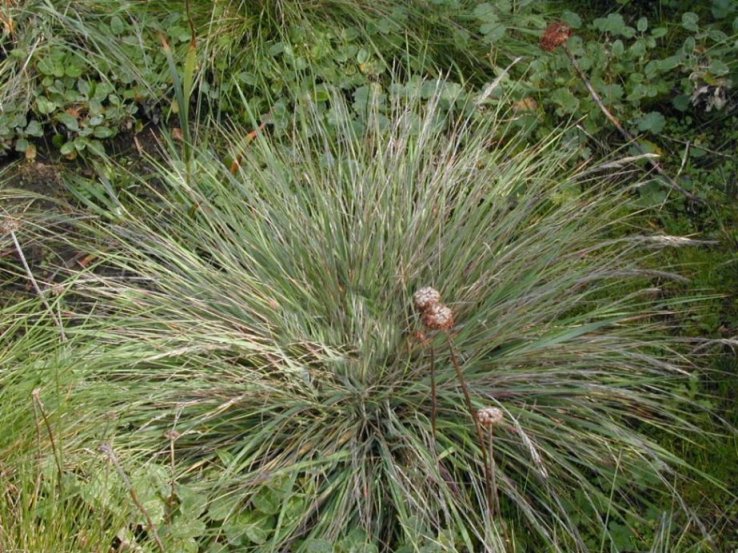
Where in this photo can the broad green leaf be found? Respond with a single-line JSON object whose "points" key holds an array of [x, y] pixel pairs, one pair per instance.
{"points": [[192, 502], [266, 501], [572, 19], [493, 32], [224, 506], [681, 102], [652, 122], [72, 68], [185, 527], [51, 64], [44, 105], [34, 129], [690, 20], [116, 25], [718, 67], [659, 32], [68, 120], [614, 24], [95, 146], [248, 526], [313, 545], [103, 132], [84, 87], [563, 97], [485, 12]]}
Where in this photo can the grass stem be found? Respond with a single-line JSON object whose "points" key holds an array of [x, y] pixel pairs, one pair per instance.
{"points": [[36, 286], [109, 452], [36, 395]]}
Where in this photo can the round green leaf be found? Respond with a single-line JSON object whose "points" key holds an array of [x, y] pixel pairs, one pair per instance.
{"points": [[44, 105], [34, 129], [116, 25], [68, 120], [689, 21], [267, 501], [316, 546], [652, 122], [103, 132], [73, 70], [222, 507]]}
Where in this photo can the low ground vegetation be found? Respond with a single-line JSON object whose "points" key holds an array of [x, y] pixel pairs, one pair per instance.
{"points": [[215, 216]]}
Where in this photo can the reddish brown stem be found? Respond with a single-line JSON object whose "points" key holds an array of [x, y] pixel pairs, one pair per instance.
{"points": [[477, 426]]}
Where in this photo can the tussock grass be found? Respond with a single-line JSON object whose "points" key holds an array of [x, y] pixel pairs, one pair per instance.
{"points": [[253, 329]]}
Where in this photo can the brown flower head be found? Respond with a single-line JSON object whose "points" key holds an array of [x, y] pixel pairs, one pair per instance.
{"points": [[438, 317], [426, 297], [556, 34], [490, 416]]}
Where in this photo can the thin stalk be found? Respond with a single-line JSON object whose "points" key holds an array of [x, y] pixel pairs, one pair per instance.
{"points": [[609, 503], [473, 414], [495, 502], [172, 435], [36, 395], [107, 449], [36, 286], [434, 397]]}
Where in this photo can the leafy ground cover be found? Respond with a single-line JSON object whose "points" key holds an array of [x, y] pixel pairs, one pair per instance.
{"points": [[168, 388]]}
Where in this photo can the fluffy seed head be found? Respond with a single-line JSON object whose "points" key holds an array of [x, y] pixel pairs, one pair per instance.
{"points": [[57, 289], [556, 34], [9, 224], [425, 297], [490, 416], [438, 317]]}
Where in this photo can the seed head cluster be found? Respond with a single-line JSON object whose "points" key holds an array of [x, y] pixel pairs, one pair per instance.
{"points": [[490, 416], [9, 224], [435, 315], [425, 297]]}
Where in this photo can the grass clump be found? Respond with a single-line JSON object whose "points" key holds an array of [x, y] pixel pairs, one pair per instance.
{"points": [[249, 349]]}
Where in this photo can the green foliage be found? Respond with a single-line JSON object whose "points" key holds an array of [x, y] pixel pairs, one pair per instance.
{"points": [[92, 70], [78, 74], [641, 69]]}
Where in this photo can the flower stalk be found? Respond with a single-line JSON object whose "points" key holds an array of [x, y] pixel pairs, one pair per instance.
{"points": [[438, 316]]}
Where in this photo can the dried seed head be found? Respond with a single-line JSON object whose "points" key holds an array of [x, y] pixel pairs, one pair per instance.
{"points": [[57, 289], [9, 224], [438, 317], [172, 435], [556, 34], [490, 416], [425, 297]]}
